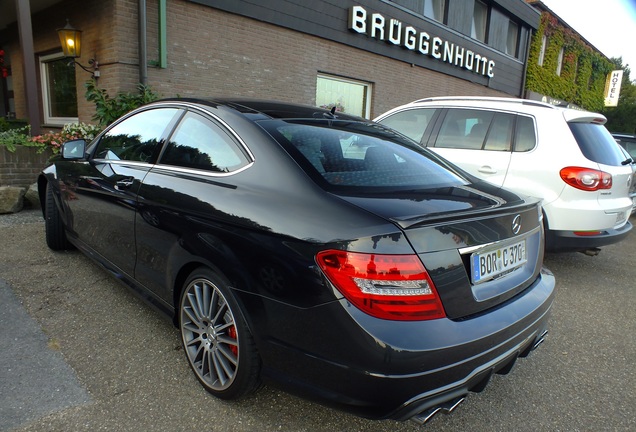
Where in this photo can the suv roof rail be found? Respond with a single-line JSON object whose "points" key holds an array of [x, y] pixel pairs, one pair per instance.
{"points": [[487, 99]]}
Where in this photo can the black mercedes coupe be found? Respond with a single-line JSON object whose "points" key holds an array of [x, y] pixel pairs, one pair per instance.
{"points": [[308, 247]]}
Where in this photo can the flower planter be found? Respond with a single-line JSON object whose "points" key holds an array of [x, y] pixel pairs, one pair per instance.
{"points": [[21, 168]]}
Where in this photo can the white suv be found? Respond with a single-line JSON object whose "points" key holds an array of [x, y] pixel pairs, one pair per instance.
{"points": [[564, 156]]}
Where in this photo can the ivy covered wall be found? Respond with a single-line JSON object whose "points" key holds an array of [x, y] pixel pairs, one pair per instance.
{"points": [[583, 71]]}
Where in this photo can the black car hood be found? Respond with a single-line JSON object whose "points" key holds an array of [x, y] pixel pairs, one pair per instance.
{"points": [[412, 207]]}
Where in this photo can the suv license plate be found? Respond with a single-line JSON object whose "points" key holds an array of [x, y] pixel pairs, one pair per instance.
{"points": [[488, 265]]}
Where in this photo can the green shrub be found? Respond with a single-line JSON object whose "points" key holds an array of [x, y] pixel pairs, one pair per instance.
{"points": [[108, 109]]}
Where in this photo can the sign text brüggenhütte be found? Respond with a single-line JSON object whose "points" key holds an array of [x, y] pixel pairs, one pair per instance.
{"points": [[397, 33]]}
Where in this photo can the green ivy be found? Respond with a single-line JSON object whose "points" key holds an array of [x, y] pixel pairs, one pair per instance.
{"points": [[108, 109], [583, 71]]}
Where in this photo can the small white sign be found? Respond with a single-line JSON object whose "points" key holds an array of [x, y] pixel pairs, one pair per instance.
{"points": [[613, 87]]}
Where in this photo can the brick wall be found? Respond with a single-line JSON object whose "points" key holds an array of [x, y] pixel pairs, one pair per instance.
{"points": [[211, 53], [215, 53], [21, 168]]}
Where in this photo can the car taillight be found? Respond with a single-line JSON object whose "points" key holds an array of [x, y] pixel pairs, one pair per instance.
{"points": [[586, 179], [394, 287]]}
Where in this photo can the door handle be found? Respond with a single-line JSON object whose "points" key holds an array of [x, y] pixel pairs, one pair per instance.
{"points": [[124, 183], [486, 169]]}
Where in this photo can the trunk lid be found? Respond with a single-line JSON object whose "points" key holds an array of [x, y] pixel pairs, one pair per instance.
{"points": [[480, 248]]}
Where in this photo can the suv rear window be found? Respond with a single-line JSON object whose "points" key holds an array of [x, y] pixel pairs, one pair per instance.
{"points": [[597, 144], [362, 156]]}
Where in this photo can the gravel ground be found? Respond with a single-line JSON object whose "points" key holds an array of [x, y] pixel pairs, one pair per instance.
{"points": [[22, 218], [127, 357]]}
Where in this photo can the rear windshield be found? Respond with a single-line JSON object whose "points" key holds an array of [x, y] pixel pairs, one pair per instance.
{"points": [[597, 144], [344, 155]]}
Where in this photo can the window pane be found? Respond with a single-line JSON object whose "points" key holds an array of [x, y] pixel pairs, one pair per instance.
{"points": [[412, 123], [436, 9], [544, 42], [464, 129], [597, 144], [347, 96], [559, 62], [525, 138], [138, 138], [199, 143], [61, 89], [511, 42], [361, 157], [480, 14], [429, 8], [500, 133]]}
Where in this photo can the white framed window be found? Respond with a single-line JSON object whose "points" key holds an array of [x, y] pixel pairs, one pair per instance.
{"points": [[480, 17], [544, 43], [347, 95], [560, 62], [59, 91]]}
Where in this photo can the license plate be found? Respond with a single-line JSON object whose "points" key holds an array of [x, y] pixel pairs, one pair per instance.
{"points": [[490, 264]]}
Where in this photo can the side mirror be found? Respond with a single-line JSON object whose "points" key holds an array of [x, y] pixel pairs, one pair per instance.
{"points": [[74, 149]]}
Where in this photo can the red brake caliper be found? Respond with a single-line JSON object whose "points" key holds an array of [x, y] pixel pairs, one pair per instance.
{"points": [[232, 333]]}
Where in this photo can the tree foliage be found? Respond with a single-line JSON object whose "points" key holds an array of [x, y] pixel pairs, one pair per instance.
{"points": [[622, 118]]}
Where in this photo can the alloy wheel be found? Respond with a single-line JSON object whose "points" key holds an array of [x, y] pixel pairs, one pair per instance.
{"points": [[210, 338]]}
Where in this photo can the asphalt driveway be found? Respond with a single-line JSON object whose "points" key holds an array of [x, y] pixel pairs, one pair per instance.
{"points": [[78, 351]]}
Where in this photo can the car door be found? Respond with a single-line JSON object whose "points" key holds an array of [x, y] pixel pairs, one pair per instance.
{"points": [[104, 201], [479, 141], [185, 198]]}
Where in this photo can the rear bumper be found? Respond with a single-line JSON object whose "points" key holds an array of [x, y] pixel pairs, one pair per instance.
{"points": [[424, 406], [568, 241], [408, 369]]}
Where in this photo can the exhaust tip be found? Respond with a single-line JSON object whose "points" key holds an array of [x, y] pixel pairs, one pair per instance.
{"points": [[539, 340], [445, 408], [591, 251]]}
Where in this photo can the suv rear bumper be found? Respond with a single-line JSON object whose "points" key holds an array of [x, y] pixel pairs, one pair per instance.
{"points": [[567, 241]]}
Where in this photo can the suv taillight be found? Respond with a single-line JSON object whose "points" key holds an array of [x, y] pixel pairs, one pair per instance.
{"points": [[586, 179], [394, 287]]}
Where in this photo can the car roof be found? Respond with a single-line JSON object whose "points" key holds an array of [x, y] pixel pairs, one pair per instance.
{"points": [[515, 104], [259, 109]]}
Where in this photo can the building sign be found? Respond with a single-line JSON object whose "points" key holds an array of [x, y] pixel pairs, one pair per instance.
{"points": [[613, 88], [397, 33]]}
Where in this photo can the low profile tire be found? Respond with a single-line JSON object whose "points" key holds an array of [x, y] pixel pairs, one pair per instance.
{"points": [[215, 337], [54, 227]]}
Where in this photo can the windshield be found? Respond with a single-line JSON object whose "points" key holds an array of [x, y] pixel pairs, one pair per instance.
{"points": [[357, 155]]}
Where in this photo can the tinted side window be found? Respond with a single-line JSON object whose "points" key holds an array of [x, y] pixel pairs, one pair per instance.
{"points": [[525, 136], [499, 136], [412, 123], [138, 138], [464, 129], [596, 143], [629, 145], [200, 143]]}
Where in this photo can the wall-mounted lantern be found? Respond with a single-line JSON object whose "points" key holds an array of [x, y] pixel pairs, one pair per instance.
{"points": [[71, 41]]}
